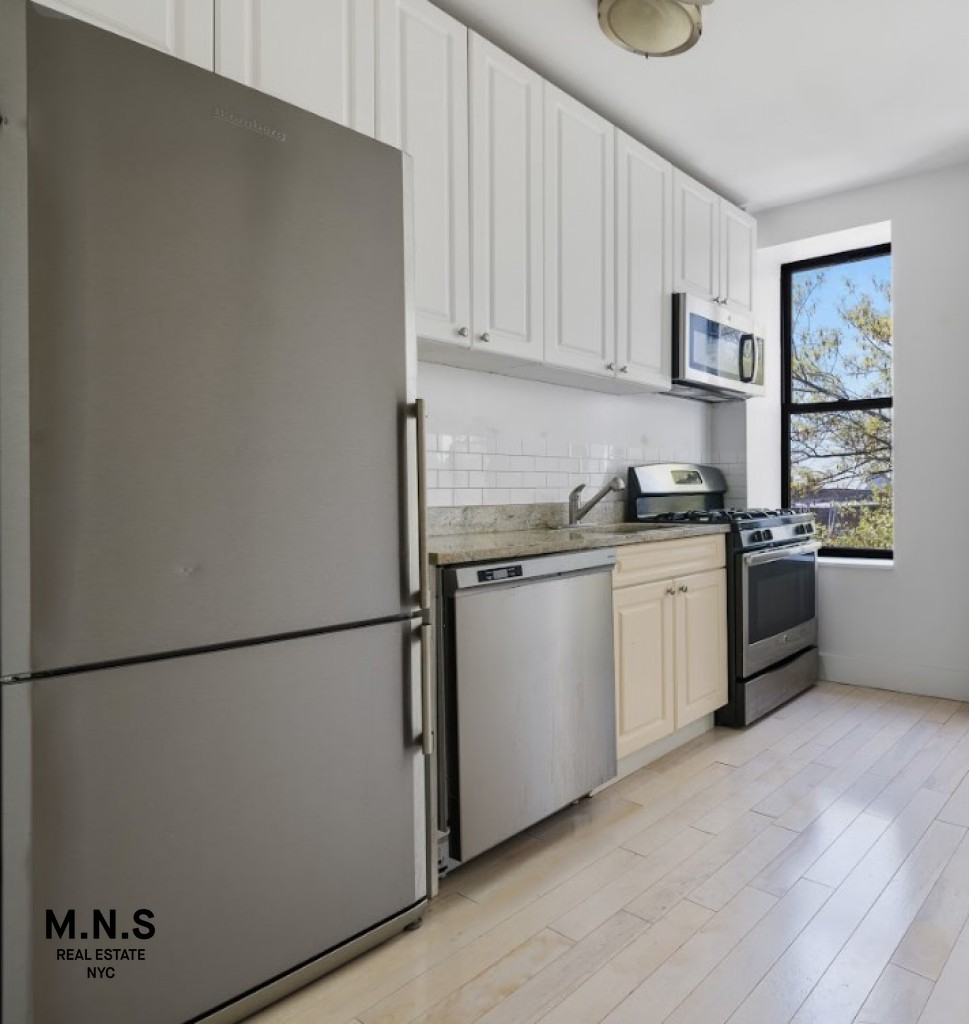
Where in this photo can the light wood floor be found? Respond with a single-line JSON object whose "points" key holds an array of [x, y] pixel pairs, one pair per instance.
{"points": [[814, 868]]}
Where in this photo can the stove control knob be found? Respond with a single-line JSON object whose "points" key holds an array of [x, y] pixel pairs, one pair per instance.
{"points": [[756, 537], [809, 528], [768, 535], [799, 528]]}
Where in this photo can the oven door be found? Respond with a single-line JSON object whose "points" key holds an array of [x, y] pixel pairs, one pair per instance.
{"points": [[778, 589]]}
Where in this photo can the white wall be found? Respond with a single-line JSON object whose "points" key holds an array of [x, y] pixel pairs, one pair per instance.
{"points": [[499, 440], [905, 625]]}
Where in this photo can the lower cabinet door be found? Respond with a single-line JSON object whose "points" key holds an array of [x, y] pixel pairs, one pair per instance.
{"points": [[701, 645], [644, 633]]}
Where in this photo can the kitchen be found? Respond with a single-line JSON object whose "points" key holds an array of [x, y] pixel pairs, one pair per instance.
{"points": [[886, 627]]}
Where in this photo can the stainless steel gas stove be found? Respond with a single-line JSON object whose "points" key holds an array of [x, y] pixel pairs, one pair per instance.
{"points": [[771, 582]]}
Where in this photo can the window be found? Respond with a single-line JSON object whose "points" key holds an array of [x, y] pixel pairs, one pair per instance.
{"points": [[836, 412]]}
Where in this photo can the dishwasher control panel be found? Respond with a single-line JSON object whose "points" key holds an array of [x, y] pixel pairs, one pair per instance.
{"points": [[496, 575]]}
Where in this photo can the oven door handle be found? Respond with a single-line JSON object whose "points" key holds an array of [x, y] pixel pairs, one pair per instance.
{"points": [[776, 554]]}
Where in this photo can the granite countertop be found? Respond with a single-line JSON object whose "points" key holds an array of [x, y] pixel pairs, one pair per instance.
{"points": [[451, 549]]}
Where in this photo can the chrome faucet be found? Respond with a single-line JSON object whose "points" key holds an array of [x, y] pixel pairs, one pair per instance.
{"points": [[577, 511]]}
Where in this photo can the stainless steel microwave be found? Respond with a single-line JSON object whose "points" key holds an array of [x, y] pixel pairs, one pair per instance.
{"points": [[717, 355]]}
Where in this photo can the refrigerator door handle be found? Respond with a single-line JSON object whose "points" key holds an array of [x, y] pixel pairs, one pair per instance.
{"points": [[427, 630], [427, 706], [420, 413]]}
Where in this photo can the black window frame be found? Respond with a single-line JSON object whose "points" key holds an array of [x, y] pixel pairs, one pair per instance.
{"points": [[789, 407]]}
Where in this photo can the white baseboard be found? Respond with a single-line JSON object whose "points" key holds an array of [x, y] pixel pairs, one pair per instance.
{"points": [[925, 680]]}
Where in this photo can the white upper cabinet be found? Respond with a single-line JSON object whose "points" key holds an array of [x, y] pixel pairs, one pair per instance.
{"points": [[580, 301], [696, 238], [644, 264], [316, 54], [182, 28], [507, 215], [714, 246], [738, 248], [422, 108]]}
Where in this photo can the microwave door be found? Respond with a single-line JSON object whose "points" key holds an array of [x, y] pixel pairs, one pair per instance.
{"points": [[704, 348]]}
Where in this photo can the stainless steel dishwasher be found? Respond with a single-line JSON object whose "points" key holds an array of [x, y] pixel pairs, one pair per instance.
{"points": [[526, 694]]}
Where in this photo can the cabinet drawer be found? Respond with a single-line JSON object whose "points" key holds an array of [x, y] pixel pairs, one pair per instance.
{"points": [[644, 563]]}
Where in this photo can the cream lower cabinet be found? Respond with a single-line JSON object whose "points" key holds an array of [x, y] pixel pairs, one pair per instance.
{"points": [[670, 622]]}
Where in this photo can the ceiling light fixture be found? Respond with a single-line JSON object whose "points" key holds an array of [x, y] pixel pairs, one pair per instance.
{"points": [[654, 28]]}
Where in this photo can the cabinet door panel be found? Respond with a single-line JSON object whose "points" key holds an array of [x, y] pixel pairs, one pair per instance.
{"points": [[644, 263], [579, 239], [701, 645], [182, 28], [738, 244], [643, 626], [507, 191], [316, 54], [422, 108], [696, 238]]}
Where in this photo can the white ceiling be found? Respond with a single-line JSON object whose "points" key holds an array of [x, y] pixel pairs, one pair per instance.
{"points": [[780, 100]]}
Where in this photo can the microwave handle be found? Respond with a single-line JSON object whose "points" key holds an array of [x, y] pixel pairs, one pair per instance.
{"points": [[746, 339]]}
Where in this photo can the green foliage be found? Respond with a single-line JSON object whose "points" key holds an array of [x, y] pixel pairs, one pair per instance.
{"points": [[841, 461]]}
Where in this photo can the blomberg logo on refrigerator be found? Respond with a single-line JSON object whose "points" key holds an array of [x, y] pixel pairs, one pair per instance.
{"points": [[250, 124]]}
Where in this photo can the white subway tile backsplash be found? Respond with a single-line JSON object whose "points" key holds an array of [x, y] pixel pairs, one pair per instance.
{"points": [[505, 469], [467, 461], [467, 496], [452, 478], [482, 445], [439, 497]]}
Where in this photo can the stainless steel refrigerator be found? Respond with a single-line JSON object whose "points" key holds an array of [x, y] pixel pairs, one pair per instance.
{"points": [[211, 615]]}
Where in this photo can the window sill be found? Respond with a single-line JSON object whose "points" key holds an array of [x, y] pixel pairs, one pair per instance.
{"points": [[857, 563]]}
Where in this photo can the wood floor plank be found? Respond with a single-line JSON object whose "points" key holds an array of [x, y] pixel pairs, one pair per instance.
{"points": [[956, 809], [725, 883], [790, 981], [641, 875], [728, 984], [483, 993], [845, 986], [611, 984], [950, 995], [837, 862], [657, 997], [810, 844], [397, 1004], [898, 998], [697, 868], [807, 810], [541, 993], [926, 946]]}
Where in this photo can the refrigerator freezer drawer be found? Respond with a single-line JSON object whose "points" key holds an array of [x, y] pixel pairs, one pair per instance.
{"points": [[262, 805]]}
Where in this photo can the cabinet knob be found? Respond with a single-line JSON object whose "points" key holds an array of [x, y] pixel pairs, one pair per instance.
{"points": [[610, 366], [463, 332], [624, 369], [671, 591], [486, 337], [683, 588]]}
